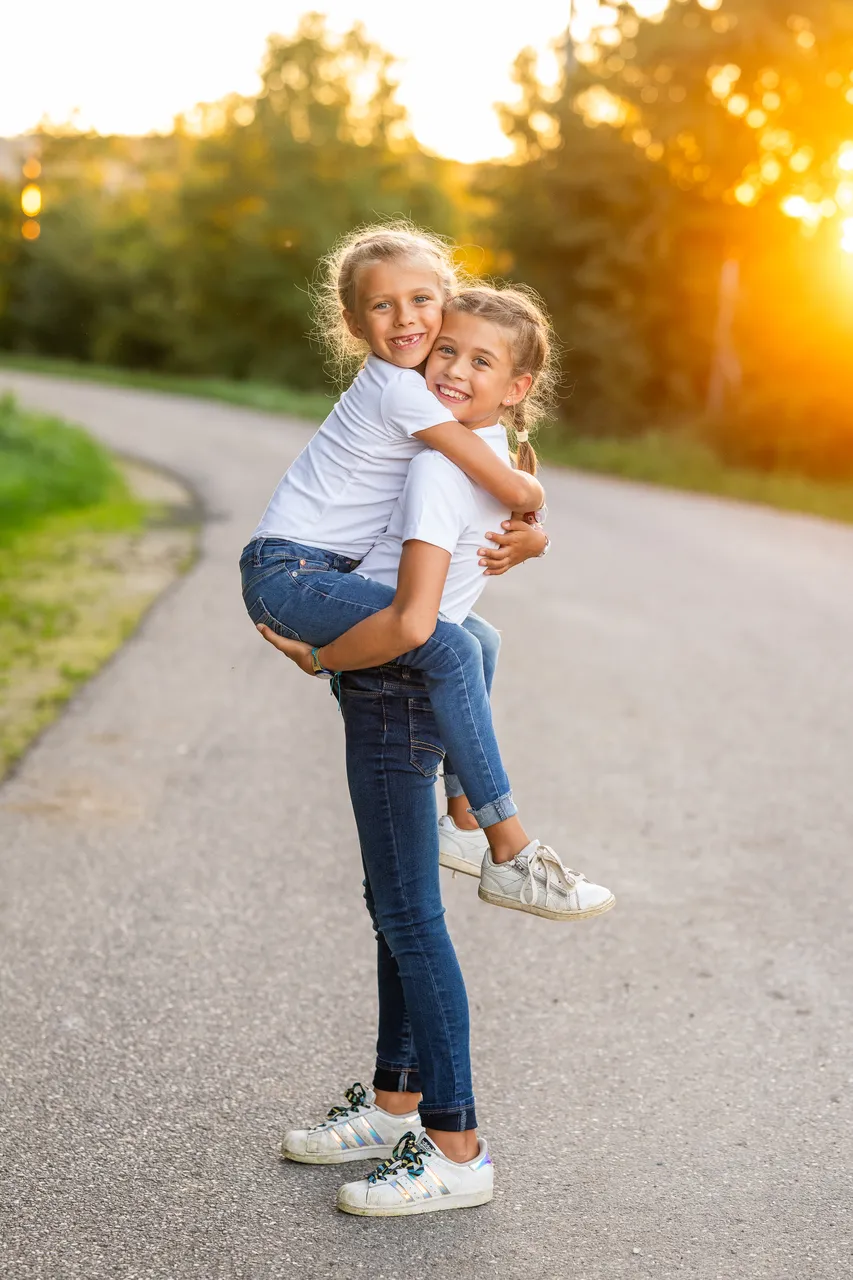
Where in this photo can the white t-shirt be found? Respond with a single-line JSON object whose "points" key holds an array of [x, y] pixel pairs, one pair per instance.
{"points": [[339, 493], [440, 505]]}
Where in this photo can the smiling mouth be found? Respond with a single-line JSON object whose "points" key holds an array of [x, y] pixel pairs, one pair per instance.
{"points": [[407, 340], [448, 393]]}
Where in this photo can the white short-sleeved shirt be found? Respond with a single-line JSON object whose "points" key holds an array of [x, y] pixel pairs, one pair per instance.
{"points": [[440, 505], [341, 490]]}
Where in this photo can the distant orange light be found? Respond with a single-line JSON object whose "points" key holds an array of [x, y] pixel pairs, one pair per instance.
{"points": [[31, 200], [32, 168], [31, 229]]}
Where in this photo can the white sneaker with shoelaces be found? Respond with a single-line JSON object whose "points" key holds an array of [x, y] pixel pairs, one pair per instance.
{"points": [[359, 1131], [536, 881], [419, 1179], [458, 849]]}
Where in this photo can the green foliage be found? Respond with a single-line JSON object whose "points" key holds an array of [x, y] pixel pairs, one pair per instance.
{"points": [[624, 228], [46, 466], [192, 254]]}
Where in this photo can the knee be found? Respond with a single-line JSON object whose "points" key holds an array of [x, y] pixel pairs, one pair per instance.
{"points": [[405, 932], [490, 642], [459, 642]]}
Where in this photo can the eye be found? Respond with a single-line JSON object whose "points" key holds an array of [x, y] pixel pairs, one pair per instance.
{"points": [[445, 350], [423, 297], [482, 360]]}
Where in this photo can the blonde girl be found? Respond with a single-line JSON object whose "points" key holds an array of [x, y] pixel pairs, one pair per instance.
{"points": [[336, 499]]}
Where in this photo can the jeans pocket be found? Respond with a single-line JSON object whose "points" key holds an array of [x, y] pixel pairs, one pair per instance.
{"points": [[259, 613], [425, 748]]}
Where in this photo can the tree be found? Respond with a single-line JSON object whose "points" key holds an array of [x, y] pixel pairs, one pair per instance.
{"points": [[672, 146]]}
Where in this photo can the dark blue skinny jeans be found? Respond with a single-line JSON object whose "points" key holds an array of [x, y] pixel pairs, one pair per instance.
{"points": [[393, 752]]}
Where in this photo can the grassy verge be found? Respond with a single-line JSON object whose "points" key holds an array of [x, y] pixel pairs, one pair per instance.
{"points": [[313, 405], [79, 564], [674, 460], [678, 461]]}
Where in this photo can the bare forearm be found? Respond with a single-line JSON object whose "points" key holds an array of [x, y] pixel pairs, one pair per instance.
{"points": [[380, 638], [515, 489]]}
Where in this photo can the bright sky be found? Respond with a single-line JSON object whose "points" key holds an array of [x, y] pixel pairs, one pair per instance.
{"points": [[129, 67]]}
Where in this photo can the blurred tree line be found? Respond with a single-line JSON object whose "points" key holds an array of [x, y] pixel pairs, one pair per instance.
{"points": [[679, 199]]}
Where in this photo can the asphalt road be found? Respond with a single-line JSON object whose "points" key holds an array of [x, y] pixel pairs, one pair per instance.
{"points": [[187, 965]]}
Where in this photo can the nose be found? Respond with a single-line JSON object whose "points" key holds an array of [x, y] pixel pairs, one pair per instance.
{"points": [[405, 316]]}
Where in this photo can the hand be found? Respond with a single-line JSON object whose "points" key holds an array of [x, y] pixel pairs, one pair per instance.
{"points": [[296, 650], [520, 541]]}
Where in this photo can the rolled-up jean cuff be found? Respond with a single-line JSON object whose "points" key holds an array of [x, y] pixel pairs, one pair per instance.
{"points": [[396, 1079], [454, 1120], [452, 786], [495, 811]]}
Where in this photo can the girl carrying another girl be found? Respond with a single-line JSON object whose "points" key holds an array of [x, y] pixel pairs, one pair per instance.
{"points": [[492, 352], [333, 505]]}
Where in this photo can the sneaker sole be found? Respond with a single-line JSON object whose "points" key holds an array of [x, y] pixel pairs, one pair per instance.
{"points": [[339, 1157], [513, 904], [469, 1201], [454, 862]]}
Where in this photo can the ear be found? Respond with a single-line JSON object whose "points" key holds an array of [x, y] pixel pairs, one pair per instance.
{"points": [[518, 388], [352, 324]]}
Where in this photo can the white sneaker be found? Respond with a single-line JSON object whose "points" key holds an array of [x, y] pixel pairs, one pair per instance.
{"points": [[535, 880], [458, 849], [419, 1179], [360, 1131]]}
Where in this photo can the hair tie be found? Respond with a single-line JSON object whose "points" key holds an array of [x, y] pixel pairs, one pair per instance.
{"points": [[522, 436]]}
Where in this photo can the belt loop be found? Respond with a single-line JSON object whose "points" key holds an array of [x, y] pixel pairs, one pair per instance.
{"points": [[259, 542]]}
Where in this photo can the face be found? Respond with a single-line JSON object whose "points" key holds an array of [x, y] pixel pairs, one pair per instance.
{"points": [[470, 369], [398, 311]]}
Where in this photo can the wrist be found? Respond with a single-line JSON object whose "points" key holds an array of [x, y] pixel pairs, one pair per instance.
{"points": [[319, 667]]}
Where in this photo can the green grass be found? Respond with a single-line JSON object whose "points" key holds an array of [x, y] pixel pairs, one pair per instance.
{"points": [[70, 592], [678, 460], [312, 405], [673, 459], [48, 466]]}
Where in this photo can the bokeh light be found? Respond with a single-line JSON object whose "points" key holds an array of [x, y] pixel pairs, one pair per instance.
{"points": [[31, 230], [31, 200]]}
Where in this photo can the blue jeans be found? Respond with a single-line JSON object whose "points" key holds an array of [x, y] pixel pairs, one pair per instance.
{"points": [[312, 595], [490, 643], [393, 752]]}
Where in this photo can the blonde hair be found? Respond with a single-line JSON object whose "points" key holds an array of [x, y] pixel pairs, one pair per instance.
{"points": [[336, 286], [520, 312]]}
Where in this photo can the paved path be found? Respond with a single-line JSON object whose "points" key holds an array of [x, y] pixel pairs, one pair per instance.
{"points": [[186, 963]]}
